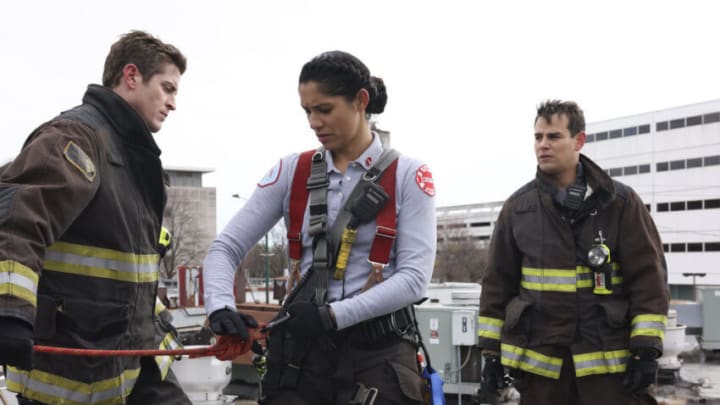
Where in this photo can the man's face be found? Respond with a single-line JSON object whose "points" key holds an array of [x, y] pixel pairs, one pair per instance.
{"points": [[154, 99], [557, 152]]}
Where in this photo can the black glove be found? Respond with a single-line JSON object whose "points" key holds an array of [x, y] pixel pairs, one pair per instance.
{"points": [[228, 322], [16, 343], [308, 321], [493, 372], [641, 369]]}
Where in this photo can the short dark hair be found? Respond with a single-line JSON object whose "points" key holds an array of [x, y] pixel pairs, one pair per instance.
{"points": [[576, 117], [339, 73], [148, 53]]}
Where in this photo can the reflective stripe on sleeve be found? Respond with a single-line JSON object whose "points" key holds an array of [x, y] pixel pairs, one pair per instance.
{"points": [[18, 280], [601, 362], [102, 263], [531, 361], [50, 388], [164, 362], [489, 327], [649, 325]]}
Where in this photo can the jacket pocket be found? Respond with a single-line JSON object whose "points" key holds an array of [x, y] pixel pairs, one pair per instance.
{"points": [[615, 331], [616, 313], [517, 316], [93, 324]]}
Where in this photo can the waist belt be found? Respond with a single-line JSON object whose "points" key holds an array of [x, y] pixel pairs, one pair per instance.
{"points": [[400, 323]]}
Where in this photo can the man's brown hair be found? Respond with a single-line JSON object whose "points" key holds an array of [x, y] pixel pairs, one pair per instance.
{"points": [[148, 53], [575, 115]]}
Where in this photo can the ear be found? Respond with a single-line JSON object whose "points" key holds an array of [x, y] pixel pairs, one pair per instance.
{"points": [[362, 99], [131, 75], [579, 141]]}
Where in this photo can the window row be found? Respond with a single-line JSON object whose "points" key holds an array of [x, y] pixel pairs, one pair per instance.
{"points": [[628, 170], [687, 121], [691, 247], [618, 133], [688, 163], [688, 205]]}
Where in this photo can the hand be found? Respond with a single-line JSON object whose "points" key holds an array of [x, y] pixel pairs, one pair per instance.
{"points": [[16, 343], [228, 322], [493, 372], [641, 369], [308, 321]]}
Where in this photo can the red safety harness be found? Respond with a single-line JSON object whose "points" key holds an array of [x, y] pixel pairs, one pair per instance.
{"points": [[385, 232]]}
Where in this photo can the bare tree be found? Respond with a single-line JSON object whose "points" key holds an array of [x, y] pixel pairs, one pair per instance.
{"points": [[459, 257], [187, 247]]}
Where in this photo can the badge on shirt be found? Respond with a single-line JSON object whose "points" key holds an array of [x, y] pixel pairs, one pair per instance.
{"points": [[424, 180], [272, 176], [80, 160]]}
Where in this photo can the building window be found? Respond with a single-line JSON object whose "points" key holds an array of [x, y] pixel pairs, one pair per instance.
{"points": [[678, 123], [695, 247], [714, 203], [696, 162], [677, 206], [661, 126], [644, 168], [712, 117], [630, 170], [677, 247], [662, 166], [694, 205], [711, 160], [630, 131], [677, 164], [615, 133], [476, 224], [663, 207], [647, 207], [590, 138], [666, 247], [616, 172], [644, 129], [695, 120], [712, 246], [601, 136]]}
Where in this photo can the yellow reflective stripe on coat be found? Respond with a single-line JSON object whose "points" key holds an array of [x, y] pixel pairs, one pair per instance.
{"points": [[159, 306], [562, 280], [164, 362], [91, 261], [18, 280], [649, 325], [548, 279], [50, 388], [601, 362], [489, 327], [530, 361]]}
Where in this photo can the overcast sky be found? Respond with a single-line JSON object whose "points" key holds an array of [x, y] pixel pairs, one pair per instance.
{"points": [[463, 77]]}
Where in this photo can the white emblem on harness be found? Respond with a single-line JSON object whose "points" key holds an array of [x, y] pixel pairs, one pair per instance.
{"points": [[272, 176]]}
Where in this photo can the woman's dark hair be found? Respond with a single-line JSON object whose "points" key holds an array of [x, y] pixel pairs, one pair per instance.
{"points": [[339, 73]]}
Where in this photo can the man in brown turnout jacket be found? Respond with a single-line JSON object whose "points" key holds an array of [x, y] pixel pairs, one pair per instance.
{"points": [[81, 209], [574, 299]]}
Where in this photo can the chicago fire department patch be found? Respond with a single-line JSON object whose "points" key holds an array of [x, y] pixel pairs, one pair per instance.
{"points": [[80, 160], [424, 180], [272, 176]]}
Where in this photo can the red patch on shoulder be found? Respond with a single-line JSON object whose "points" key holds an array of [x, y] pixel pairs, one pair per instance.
{"points": [[424, 180]]}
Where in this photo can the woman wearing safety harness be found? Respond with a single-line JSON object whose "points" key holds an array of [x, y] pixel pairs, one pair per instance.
{"points": [[362, 235]]}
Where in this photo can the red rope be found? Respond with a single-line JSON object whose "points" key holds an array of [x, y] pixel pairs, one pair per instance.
{"points": [[226, 348]]}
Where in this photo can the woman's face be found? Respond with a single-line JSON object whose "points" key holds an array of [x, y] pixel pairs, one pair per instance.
{"points": [[336, 121]]}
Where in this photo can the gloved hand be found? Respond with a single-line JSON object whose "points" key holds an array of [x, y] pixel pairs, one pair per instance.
{"points": [[641, 369], [228, 322], [16, 343], [493, 372], [308, 321]]}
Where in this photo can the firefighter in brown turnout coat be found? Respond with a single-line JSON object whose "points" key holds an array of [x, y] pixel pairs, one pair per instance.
{"points": [[574, 298], [81, 209]]}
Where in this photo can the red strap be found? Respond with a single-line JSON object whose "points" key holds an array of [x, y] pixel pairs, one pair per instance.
{"points": [[386, 230], [298, 201]]}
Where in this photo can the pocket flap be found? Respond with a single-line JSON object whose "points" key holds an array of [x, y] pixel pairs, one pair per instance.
{"points": [[616, 312], [514, 311], [411, 384]]}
